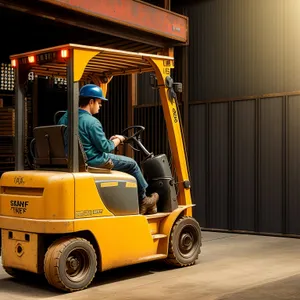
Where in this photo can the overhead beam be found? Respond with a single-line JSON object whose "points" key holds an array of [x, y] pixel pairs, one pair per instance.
{"points": [[59, 13], [134, 14]]}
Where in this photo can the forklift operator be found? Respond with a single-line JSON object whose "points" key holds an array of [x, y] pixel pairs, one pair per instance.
{"points": [[97, 147]]}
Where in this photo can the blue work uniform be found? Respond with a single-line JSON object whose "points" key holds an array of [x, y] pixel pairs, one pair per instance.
{"points": [[96, 145], [97, 148]]}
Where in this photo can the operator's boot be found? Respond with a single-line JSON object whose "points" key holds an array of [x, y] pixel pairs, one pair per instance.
{"points": [[148, 205]]}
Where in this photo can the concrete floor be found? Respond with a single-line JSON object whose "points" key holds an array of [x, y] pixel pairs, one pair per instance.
{"points": [[231, 267]]}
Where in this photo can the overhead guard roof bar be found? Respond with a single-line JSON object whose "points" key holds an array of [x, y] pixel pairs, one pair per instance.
{"points": [[94, 60]]}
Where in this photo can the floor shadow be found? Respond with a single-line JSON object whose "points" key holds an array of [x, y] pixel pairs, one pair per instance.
{"points": [[33, 287], [287, 288], [38, 287], [129, 272]]}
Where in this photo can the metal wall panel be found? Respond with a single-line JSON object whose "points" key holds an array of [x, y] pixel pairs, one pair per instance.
{"points": [[293, 165], [242, 48], [218, 165], [271, 162], [198, 156], [244, 161]]}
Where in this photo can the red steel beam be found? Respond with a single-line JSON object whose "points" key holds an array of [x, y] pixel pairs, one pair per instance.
{"points": [[132, 13]]}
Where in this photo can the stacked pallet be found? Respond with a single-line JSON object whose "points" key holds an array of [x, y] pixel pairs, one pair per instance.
{"points": [[7, 122]]}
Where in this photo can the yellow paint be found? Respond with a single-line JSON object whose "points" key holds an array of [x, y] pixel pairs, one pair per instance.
{"points": [[37, 225], [122, 240], [154, 225], [81, 59], [19, 253], [131, 185], [56, 201], [109, 184], [174, 131]]}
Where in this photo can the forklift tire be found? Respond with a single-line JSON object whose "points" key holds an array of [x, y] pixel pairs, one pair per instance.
{"points": [[185, 242], [70, 264]]}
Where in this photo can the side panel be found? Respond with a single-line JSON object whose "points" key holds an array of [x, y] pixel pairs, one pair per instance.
{"points": [[20, 250], [88, 202], [122, 240], [120, 197], [107, 194]]}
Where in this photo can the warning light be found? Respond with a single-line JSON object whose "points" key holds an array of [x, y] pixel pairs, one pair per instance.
{"points": [[64, 53], [31, 59], [14, 63]]}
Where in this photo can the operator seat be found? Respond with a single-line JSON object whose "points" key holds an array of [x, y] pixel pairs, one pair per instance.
{"points": [[48, 150]]}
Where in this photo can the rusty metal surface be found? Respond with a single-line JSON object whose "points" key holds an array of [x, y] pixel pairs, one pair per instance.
{"points": [[132, 13], [93, 24]]}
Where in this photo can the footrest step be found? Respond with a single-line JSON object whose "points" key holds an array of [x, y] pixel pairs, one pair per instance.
{"points": [[157, 216], [158, 236]]}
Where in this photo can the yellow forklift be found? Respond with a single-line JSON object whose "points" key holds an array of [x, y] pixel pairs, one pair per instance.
{"points": [[67, 220]]}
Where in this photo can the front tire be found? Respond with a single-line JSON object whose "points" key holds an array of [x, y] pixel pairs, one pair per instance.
{"points": [[185, 242], [70, 264]]}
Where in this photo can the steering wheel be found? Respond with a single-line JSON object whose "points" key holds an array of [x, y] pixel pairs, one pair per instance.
{"points": [[138, 129]]}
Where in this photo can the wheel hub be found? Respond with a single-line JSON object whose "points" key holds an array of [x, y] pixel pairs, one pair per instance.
{"points": [[77, 265], [73, 263], [186, 242]]}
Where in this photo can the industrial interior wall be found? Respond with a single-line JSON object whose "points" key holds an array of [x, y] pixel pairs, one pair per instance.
{"points": [[244, 74], [243, 48]]}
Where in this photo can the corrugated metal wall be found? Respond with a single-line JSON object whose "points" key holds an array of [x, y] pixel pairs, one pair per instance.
{"points": [[241, 48], [244, 124], [245, 158]]}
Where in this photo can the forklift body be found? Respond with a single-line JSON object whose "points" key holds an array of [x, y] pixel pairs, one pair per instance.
{"points": [[67, 220]]}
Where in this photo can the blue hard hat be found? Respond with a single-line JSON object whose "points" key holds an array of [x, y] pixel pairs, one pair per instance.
{"points": [[92, 91]]}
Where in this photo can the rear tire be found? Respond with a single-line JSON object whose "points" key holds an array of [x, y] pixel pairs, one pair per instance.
{"points": [[184, 243], [70, 264]]}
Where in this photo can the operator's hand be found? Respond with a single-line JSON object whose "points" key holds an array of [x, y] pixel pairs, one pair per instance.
{"points": [[117, 136], [117, 139]]}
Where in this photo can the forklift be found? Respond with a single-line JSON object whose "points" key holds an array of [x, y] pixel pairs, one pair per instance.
{"points": [[66, 220]]}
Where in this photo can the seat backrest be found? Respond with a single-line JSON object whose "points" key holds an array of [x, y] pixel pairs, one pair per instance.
{"points": [[50, 150], [50, 146]]}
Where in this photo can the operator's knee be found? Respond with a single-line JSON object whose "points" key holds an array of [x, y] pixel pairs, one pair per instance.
{"points": [[133, 164]]}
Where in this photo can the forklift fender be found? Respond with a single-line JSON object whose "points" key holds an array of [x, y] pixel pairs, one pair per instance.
{"points": [[167, 225]]}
